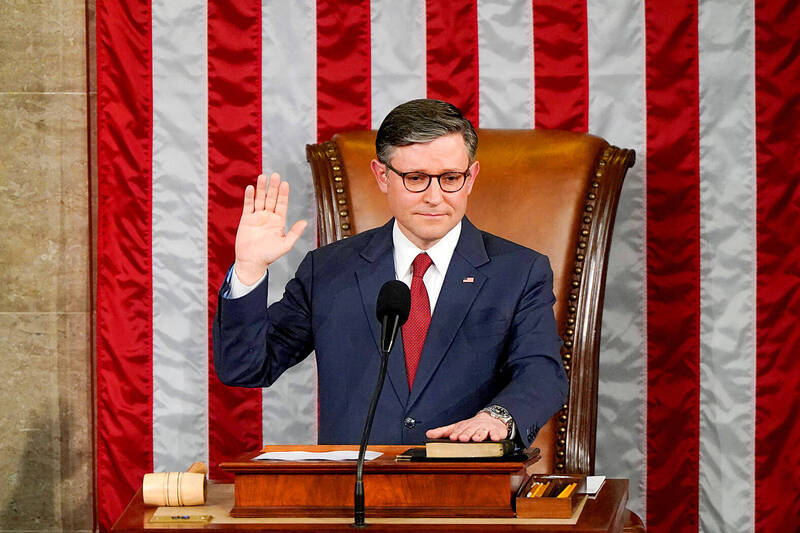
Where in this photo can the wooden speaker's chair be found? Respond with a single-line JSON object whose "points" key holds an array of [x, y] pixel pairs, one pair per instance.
{"points": [[553, 191]]}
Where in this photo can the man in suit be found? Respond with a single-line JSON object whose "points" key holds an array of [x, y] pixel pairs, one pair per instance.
{"points": [[479, 356]]}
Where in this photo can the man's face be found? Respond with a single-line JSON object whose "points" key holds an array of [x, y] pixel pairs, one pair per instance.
{"points": [[425, 217]]}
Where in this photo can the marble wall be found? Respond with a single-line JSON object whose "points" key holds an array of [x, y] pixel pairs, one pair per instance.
{"points": [[45, 267]]}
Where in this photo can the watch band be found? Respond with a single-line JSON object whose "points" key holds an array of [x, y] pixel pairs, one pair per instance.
{"points": [[500, 413]]}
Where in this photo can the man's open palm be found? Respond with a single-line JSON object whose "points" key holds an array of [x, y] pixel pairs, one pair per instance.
{"points": [[261, 238]]}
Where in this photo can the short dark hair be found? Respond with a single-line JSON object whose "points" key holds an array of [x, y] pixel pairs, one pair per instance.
{"points": [[423, 120]]}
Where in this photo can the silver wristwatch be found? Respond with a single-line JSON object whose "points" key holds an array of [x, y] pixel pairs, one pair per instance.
{"points": [[500, 413]]}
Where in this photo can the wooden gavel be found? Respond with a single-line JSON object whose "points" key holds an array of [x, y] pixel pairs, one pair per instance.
{"points": [[176, 489]]}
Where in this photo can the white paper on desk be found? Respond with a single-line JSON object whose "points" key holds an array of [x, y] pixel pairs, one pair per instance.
{"points": [[593, 484], [344, 455]]}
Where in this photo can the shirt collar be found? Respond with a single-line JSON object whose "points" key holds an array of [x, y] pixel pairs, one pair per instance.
{"points": [[440, 253]]}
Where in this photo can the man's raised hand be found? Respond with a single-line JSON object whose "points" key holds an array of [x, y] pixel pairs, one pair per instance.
{"points": [[261, 238]]}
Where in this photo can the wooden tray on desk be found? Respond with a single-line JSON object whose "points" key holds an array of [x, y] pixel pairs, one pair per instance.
{"points": [[408, 489], [549, 506]]}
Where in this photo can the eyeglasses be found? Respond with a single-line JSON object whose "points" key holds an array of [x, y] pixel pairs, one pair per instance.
{"points": [[420, 181]]}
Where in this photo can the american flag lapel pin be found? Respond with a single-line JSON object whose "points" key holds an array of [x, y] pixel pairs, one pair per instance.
{"points": [[468, 279]]}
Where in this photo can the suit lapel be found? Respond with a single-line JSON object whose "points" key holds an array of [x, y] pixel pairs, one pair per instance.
{"points": [[379, 255], [453, 304]]}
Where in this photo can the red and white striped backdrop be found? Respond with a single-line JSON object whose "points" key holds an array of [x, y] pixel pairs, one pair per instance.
{"points": [[700, 371]]}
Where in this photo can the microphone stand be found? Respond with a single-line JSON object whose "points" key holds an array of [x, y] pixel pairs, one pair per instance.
{"points": [[358, 508]]}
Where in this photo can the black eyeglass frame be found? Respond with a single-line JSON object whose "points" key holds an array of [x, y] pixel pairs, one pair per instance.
{"points": [[430, 177]]}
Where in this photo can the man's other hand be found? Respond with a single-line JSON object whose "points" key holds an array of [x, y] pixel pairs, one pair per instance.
{"points": [[261, 238], [478, 428]]}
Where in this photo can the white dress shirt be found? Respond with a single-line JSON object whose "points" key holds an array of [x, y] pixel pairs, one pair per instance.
{"points": [[440, 253]]}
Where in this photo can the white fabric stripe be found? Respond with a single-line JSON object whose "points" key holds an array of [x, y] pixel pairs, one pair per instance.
{"points": [[288, 86], [180, 299], [727, 265], [617, 113], [397, 55], [505, 57]]}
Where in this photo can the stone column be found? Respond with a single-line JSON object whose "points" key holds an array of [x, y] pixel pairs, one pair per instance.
{"points": [[45, 274]]}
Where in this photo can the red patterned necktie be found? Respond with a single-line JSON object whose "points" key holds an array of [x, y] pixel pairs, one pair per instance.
{"points": [[416, 327]]}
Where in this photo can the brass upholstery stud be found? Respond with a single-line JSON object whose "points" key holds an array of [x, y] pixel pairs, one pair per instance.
{"points": [[580, 257], [567, 356], [337, 173]]}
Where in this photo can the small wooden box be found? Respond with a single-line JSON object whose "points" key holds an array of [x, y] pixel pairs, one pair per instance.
{"points": [[547, 505]]}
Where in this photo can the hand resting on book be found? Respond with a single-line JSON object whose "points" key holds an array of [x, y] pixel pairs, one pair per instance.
{"points": [[478, 428]]}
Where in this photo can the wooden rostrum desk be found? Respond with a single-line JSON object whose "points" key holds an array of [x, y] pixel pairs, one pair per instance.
{"points": [[400, 496]]}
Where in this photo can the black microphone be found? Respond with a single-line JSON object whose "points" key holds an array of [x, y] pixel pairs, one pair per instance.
{"points": [[393, 306]]}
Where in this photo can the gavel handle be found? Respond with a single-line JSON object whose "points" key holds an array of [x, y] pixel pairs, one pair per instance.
{"points": [[198, 468]]}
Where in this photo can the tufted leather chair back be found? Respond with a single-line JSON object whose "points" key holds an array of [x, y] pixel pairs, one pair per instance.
{"points": [[553, 191]]}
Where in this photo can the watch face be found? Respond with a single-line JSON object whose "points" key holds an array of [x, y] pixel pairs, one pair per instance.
{"points": [[500, 412]]}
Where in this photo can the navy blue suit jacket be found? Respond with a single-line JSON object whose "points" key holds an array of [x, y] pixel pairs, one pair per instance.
{"points": [[492, 339]]}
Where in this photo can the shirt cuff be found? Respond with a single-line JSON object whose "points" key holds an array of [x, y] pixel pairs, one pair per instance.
{"points": [[239, 289]]}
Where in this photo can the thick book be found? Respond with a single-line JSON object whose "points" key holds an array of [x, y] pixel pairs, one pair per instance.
{"points": [[441, 448]]}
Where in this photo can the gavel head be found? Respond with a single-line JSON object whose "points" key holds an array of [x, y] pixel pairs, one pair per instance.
{"points": [[174, 489]]}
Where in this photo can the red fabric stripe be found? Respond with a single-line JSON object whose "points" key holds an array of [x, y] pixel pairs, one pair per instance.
{"points": [[452, 54], [343, 67], [778, 256], [124, 263], [673, 265], [234, 160], [561, 70]]}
